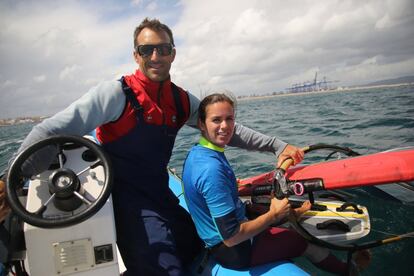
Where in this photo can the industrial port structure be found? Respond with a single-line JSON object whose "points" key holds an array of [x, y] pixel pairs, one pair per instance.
{"points": [[310, 86]]}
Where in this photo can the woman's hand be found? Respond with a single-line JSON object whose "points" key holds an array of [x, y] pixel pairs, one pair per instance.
{"points": [[306, 206], [279, 209], [248, 229]]}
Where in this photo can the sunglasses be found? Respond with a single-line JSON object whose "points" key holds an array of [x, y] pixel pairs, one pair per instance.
{"points": [[164, 49]]}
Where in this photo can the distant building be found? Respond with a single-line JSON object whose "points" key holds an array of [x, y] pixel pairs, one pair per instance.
{"points": [[311, 86]]}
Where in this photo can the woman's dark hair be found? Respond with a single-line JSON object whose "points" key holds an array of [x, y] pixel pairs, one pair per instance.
{"points": [[212, 99]]}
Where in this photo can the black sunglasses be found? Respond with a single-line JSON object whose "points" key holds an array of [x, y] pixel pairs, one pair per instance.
{"points": [[164, 49]]}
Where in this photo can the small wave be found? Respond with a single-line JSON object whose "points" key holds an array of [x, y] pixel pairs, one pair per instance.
{"points": [[385, 122]]}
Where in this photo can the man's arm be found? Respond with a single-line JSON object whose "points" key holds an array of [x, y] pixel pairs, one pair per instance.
{"points": [[103, 103], [243, 137], [249, 139], [252, 140], [194, 103]]}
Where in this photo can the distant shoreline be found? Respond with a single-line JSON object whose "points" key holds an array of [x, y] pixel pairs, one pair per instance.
{"points": [[37, 119], [21, 120], [337, 90]]}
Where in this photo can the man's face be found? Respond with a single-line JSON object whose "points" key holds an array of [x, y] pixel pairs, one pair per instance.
{"points": [[155, 66]]}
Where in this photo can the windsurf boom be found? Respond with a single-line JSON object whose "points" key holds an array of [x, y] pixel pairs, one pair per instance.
{"points": [[395, 168], [373, 169]]}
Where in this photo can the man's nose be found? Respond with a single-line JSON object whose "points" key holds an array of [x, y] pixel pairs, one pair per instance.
{"points": [[155, 54]]}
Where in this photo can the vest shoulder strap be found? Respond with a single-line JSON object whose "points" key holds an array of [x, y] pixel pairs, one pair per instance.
{"points": [[129, 94]]}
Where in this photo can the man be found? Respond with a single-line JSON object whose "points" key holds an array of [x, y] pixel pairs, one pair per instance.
{"points": [[137, 119]]}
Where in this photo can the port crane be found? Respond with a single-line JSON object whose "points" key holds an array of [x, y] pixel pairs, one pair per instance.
{"points": [[310, 86]]}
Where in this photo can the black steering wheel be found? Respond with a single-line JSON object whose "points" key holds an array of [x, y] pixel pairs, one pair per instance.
{"points": [[61, 185]]}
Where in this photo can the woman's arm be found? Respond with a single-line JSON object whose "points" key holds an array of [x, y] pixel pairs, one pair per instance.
{"points": [[248, 229]]}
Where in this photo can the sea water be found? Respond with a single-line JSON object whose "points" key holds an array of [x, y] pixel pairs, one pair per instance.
{"points": [[367, 121]]}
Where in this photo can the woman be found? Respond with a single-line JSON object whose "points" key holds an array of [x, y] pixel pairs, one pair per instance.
{"points": [[219, 215]]}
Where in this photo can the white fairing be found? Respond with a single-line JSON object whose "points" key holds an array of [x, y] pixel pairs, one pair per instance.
{"points": [[87, 248]]}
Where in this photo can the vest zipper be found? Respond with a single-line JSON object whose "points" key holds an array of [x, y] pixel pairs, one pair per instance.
{"points": [[159, 102]]}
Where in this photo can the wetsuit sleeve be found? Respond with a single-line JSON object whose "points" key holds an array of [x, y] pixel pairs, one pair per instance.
{"points": [[249, 139], [103, 103], [217, 194], [194, 103]]}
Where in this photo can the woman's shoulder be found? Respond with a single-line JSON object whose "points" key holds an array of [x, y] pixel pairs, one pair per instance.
{"points": [[203, 154], [203, 157]]}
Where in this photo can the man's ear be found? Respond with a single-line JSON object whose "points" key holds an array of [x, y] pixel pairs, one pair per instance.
{"points": [[136, 57], [173, 53]]}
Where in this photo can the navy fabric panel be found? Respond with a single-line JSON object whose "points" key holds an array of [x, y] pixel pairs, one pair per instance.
{"points": [[235, 257], [155, 235], [227, 225]]}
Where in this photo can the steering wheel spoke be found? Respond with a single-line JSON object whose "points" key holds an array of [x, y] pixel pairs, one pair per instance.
{"points": [[60, 155], [43, 208], [94, 165], [84, 200]]}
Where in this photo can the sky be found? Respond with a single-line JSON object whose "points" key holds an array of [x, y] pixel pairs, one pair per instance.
{"points": [[52, 52]]}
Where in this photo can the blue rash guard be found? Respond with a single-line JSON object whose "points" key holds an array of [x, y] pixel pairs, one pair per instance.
{"points": [[211, 193]]}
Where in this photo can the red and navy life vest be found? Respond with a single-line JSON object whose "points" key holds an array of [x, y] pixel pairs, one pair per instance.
{"points": [[140, 142], [159, 106]]}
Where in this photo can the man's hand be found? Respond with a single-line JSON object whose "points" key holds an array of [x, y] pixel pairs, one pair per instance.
{"points": [[4, 206], [292, 152]]}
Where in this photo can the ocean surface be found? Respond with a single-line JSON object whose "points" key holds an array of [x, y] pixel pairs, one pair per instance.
{"points": [[367, 121]]}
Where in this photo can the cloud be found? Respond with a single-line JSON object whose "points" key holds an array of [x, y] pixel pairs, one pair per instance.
{"points": [[7, 84], [264, 46], [135, 2], [55, 52], [152, 6], [69, 73], [60, 49], [40, 78]]}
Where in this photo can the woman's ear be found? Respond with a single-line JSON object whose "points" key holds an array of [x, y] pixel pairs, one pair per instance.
{"points": [[201, 126]]}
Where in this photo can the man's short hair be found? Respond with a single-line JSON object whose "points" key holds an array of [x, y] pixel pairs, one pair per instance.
{"points": [[155, 25]]}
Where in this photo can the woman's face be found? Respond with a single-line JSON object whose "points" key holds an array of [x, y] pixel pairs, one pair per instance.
{"points": [[219, 124]]}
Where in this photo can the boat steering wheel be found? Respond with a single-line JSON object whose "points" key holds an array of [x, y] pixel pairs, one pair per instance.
{"points": [[64, 186]]}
